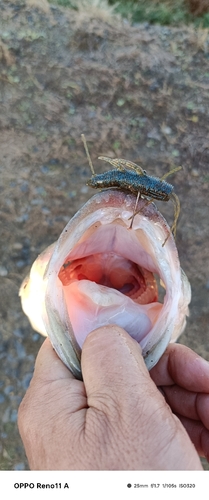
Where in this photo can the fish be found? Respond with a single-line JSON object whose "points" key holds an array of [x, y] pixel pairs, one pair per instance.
{"points": [[102, 272]]}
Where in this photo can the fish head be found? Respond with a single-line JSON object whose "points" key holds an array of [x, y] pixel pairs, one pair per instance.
{"points": [[101, 272]]}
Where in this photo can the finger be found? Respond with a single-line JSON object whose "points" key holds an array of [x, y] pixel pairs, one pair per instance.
{"points": [[124, 401], [182, 366], [112, 359], [198, 435], [48, 365], [188, 404], [47, 414], [52, 390]]}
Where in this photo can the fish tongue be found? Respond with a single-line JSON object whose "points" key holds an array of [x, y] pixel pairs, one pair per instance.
{"points": [[91, 305]]}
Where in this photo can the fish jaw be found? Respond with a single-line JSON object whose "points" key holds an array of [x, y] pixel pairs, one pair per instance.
{"points": [[96, 238]]}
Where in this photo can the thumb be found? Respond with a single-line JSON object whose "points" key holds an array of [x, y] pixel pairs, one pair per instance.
{"points": [[112, 362], [120, 393]]}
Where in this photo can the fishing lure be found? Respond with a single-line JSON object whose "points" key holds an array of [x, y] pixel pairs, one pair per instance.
{"points": [[128, 176]]}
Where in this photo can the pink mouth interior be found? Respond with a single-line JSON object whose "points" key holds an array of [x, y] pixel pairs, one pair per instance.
{"points": [[108, 278], [113, 271]]}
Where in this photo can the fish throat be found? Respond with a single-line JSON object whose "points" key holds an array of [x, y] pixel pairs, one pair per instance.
{"points": [[114, 271]]}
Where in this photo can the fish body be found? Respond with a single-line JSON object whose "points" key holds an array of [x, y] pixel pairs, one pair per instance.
{"points": [[101, 272]]}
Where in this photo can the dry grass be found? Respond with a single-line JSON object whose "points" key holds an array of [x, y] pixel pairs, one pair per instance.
{"points": [[39, 4], [99, 9], [198, 7], [5, 54], [200, 39], [154, 11]]}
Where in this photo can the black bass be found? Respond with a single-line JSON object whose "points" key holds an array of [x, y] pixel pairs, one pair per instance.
{"points": [[101, 272]]}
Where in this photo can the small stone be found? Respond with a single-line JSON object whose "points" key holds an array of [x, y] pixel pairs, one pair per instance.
{"points": [[19, 466], [45, 211], [13, 417], [20, 263], [20, 349], [84, 189], [6, 416], [36, 201], [44, 169], [166, 130], [17, 246], [2, 398], [25, 187], [22, 218], [154, 134], [53, 161], [5, 454], [120, 102], [175, 153], [8, 389], [154, 86], [195, 172], [35, 337], [72, 194], [3, 271], [18, 333]]}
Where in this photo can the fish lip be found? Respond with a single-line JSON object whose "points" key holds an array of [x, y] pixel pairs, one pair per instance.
{"points": [[101, 201]]}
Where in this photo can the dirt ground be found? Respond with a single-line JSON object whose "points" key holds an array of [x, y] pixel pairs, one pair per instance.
{"points": [[139, 93]]}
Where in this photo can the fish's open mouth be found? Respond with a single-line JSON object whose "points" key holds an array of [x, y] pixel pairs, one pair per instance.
{"points": [[108, 277], [101, 273], [111, 285]]}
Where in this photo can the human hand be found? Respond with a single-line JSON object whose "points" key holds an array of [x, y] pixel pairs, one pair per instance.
{"points": [[183, 378], [116, 419]]}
